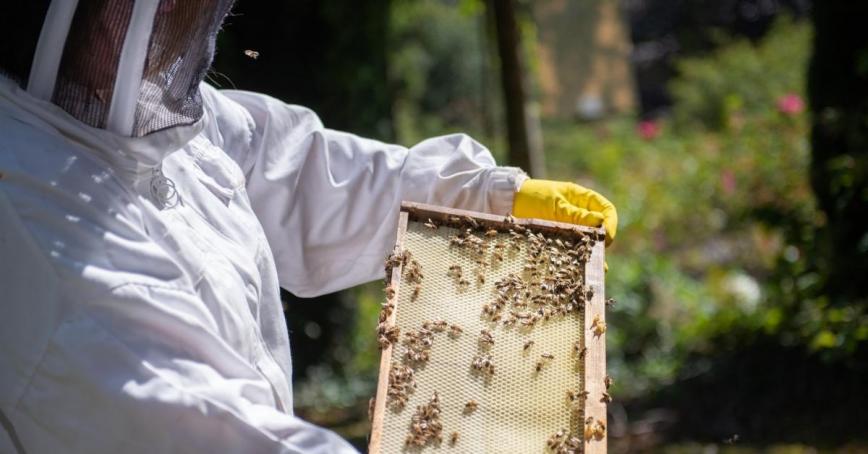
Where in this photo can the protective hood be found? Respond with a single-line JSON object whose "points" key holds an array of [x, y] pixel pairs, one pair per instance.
{"points": [[131, 67]]}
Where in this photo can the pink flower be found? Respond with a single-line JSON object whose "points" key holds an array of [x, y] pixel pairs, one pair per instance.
{"points": [[791, 104], [648, 129], [727, 181]]}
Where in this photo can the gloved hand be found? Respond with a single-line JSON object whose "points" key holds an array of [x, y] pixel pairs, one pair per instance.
{"points": [[562, 201]]}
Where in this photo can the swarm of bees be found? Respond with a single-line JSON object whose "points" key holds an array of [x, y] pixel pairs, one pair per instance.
{"points": [[425, 425], [386, 335], [562, 443], [549, 287], [402, 382]]}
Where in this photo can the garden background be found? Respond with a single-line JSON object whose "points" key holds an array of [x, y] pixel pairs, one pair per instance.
{"points": [[732, 136]]}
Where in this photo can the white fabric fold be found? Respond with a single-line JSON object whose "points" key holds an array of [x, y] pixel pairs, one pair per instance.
{"points": [[134, 327]]}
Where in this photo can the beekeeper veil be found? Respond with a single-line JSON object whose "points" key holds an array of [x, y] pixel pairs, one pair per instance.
{"points": [[132, 67]]}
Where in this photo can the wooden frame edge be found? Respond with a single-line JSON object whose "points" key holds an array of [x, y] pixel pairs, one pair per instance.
{"points": [[595, 355], [381, 398], [422, 211]]}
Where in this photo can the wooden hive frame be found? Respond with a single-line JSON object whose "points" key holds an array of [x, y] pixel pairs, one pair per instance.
{"points": [[594, 367]]}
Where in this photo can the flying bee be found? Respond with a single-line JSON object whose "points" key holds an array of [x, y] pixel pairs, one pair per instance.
{"points": [[608, 381], [610, 302], [251, 53], [431, 225], [606, 397], [453, 438], [527, 345]]}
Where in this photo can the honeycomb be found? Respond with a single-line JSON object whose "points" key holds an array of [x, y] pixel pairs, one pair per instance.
{"points": [[524, 401]]}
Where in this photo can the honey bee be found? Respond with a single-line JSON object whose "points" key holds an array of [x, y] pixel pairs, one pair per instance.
{"points": [[527, 345], [416, 290], [472, 222], [439, 326], [453, 438], [491, 233], [608, 381], [606, 397], [390, 291], [548, 356], [463, 283], [598, 325], [431, 225], [455, 330], [486, 337], [251, 53], [470, 406], [576, 397], [539, 366], [577, 347], [509, 219]]}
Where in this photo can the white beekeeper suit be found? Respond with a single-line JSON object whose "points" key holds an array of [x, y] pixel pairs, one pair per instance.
{"points": [[147, 223]]}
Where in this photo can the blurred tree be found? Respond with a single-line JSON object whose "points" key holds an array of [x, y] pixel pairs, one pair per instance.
{"points": [[522, 119], [838, 96]]}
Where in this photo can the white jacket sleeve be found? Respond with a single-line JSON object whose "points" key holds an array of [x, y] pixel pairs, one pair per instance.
{"points": [[329, 200]]}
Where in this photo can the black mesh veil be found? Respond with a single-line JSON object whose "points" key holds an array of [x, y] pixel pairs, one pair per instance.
{"points": [[86, 76], [179, 55], [134, 63]]}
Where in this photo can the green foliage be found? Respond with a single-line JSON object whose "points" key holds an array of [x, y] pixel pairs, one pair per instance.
{"points": [[437, 62], [717, 217], [741, 78]]}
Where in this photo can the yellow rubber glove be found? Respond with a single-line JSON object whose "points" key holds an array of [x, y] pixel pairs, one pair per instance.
{"points": [[562, 201]]}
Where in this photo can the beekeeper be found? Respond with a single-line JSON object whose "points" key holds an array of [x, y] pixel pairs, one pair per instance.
{"points": [[148, 220]]}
